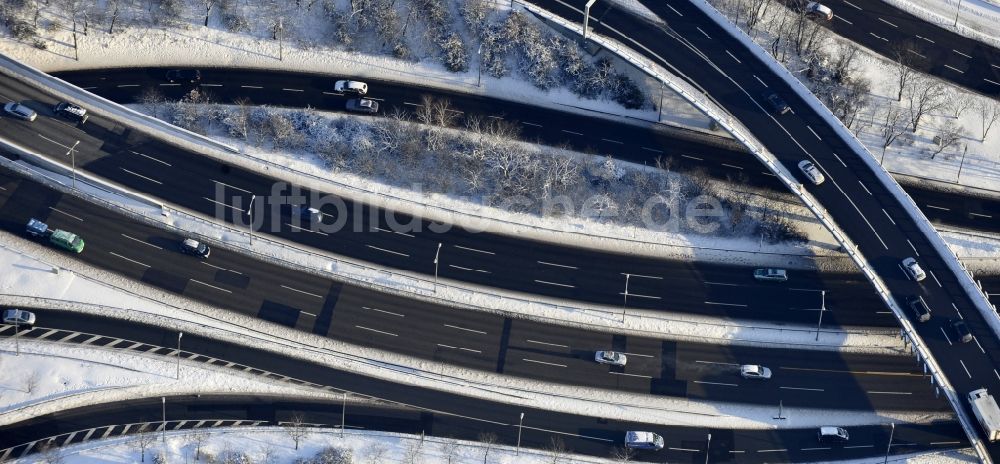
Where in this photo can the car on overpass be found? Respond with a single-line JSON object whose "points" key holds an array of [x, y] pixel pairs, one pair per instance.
{"points": [[362, 105], [20, 111], [643, 440], [19, 317], [613, 358]]}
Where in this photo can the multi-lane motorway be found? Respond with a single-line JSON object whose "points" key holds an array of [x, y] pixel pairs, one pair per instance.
{"points": [[493, 260], [693, 44], [718, 157], [471, 339]]}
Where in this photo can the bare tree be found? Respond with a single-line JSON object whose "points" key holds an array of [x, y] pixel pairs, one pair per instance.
{"points": [[144, 438], [960, 102], [376, 452], [208, 10], [926, 95], [843, 68], [989, 113], [903, 54], [489, 439], [449, 450], [622, 455], [153, 100], [30, 382], [892, 127], [412, 452], [198, 438], [296, 428], [949, 136], [557, 448]]}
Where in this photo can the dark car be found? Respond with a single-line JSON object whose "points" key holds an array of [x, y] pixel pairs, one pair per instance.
{"points": [[777, 104], [193, 247], [71, 112], [192, 76], [919, 307], [362, 105], [961, 330]]}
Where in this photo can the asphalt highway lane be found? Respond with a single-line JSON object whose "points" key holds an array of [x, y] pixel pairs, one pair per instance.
{"points": [[587, 435], [464, 338], [929, 48], [718, 157], [868, 213], [492, 260]]}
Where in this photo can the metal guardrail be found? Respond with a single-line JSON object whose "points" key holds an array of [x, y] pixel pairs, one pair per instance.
{"points": [[740, 132]]}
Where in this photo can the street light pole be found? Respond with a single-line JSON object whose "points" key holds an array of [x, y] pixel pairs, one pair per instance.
{"points": [[72, 154], [343, 415], [625, 303], [437, 255], [957, 11], [179, 335], [520, 422], [253, 196], [164, 434], [660, 118], [822, 310], [586, 17], [708, 447], [889, 446], [479, 82], [17, 338]]}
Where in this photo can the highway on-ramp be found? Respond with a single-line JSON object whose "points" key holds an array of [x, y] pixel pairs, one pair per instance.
{"points": [[694, 45]]}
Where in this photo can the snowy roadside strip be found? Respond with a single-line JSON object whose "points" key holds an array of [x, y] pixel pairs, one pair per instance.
{"points": [[655, 324], [151, 376], [976, 295]]}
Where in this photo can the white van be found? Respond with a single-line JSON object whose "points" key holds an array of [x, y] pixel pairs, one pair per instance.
{"points": [[816, 10]]}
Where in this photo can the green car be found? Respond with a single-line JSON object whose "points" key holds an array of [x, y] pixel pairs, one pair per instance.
{"points": [[67, 240]]}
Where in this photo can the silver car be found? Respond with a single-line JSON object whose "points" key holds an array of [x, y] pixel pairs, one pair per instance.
{"points": [[754, 371], [613, 358], [19, 317], [913, 269], [20, 111], [362, 105], [811, 171]]}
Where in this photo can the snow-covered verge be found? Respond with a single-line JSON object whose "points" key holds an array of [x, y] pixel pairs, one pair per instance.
{"points": [[264, 445], [977, 19], [22, 273], [41, 378]]}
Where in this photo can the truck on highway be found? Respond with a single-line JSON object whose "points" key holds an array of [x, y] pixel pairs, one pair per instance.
{"points": [[60, 238], [986, 411]]}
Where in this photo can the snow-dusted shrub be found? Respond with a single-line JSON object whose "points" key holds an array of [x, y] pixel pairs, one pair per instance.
{"points": [[235, 22], [329, 455]]}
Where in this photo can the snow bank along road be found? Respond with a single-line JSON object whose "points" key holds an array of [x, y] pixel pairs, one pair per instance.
{"points": [[492, 260], [467, 339], [719, 157], [869, 213], [583, 435], [930, 48]]}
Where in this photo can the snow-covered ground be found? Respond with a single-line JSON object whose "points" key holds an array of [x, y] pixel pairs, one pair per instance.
{"points": [[273, 446], [48, 377]]}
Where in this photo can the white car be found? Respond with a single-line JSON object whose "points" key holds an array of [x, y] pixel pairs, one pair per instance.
{"points": [[811, 172], [354, 87], [643, 440], [913, 269], [754, 371], [818, 11], [613, 358], [19, 317]]}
